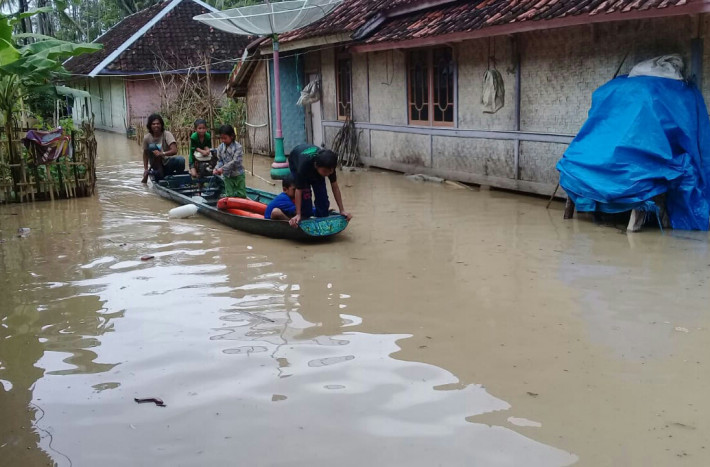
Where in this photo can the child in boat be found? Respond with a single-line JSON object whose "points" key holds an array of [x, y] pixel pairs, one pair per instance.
{"points": [[282, 207], [200, 146], [310, 166], [229, 163]]}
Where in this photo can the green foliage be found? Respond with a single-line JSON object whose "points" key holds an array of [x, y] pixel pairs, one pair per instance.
{"points": [[67, 124], [41, 104], [233, 112]]}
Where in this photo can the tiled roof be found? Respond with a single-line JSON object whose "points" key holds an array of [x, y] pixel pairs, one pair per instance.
{"points": [[346, 18], [395, 20], [174, 42], [466, 16]]}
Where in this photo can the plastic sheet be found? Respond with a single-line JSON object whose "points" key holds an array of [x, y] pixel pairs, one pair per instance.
{"points": [[644, 136]]}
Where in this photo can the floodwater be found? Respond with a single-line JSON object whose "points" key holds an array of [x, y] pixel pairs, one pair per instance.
{"points": [[445, 327]]}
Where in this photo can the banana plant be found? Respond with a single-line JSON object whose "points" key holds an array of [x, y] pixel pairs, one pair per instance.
{"points": [[32, 68]]}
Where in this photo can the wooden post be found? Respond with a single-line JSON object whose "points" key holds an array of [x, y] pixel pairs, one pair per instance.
{"points": [[569, 209], [209, 95]]}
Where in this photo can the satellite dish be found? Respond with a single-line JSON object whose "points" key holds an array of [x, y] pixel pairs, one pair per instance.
{"points": [[269, 18]]}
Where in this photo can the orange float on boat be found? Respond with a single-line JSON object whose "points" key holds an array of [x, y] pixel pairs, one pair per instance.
{"points": [[243, 204], [242, 212]]}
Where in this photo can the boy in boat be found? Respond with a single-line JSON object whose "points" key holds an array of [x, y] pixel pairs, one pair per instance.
{"points": [[282, 207], [229, 163], [200, 146], [309, 167]]}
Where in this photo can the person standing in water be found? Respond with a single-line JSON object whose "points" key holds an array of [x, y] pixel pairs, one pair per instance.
{"points": [[309, 167], [159, 151], [229, 163]]}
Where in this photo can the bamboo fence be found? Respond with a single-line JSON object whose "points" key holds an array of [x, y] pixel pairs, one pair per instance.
{"points": [[23, 180]]}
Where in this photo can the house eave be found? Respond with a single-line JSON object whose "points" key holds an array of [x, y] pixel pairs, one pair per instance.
{"points": [[698, 7], [317, 41]]}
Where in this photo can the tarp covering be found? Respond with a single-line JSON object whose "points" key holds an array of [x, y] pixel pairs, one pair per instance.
{"points": [[644, 136]]}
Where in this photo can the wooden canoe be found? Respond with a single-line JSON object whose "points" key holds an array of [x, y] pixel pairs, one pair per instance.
{"points": [[182, 188]]}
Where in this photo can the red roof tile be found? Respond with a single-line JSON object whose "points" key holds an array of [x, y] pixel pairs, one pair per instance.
{"points": [[346, 18], [466, 16], [175, 42], [390, 20]]}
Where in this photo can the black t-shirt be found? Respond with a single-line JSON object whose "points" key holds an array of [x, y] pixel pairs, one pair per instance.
{"points": [[302, 163]]}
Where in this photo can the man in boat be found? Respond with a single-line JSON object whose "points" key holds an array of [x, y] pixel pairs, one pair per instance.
{"points": [[310, 166]]}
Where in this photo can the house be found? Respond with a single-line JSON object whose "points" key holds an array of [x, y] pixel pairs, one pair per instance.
{"points": [[410, 74], [124, 77]]}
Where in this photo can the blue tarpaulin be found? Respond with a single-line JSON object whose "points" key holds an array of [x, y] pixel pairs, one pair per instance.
{"points": [[645, 136]]}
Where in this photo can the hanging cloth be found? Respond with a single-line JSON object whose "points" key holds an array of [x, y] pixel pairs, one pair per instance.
{"points": [[493, 96], [310, 94]]}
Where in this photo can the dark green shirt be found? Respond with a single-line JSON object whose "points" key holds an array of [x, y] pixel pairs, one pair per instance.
{"points": [[196, 144]]}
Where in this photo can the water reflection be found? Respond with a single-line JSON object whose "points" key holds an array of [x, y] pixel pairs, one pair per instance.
{"points": [[265, 352]]}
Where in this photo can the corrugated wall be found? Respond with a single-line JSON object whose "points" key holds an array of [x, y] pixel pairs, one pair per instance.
{"points": [[560, 69], [258, 111]]}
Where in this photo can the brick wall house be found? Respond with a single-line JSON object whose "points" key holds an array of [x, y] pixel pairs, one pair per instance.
{"points": [[552, 56]]}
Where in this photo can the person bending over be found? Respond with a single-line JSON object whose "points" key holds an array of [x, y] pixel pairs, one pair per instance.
{"points": [[309, 167]]}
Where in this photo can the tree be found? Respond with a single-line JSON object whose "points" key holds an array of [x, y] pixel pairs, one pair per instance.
{"points": [[32, 68]]}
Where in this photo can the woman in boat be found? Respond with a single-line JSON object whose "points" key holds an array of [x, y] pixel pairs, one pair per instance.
{"points": [[159, 151], [309, 167]]}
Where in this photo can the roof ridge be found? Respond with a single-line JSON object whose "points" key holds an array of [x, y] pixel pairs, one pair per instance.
{"points": [[171, 5]]}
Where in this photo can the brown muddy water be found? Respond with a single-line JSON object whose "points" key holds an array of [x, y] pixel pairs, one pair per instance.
{"points": [[444, 327]]}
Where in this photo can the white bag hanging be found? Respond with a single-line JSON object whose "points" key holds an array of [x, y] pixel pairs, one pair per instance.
{"points": [[493, 91], [493, 96], [310, 94], [666, 66]]}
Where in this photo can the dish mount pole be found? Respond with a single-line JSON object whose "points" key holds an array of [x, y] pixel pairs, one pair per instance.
{"points": [[279, 169]]}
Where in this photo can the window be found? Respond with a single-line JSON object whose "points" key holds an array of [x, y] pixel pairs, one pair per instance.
{"points": [[344, 86], [431, 87]]}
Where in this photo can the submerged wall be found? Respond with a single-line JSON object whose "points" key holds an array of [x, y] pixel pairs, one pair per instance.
{"points": [[558, 71]]}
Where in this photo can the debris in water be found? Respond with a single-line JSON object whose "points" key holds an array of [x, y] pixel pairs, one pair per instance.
{"points": [[533, 394], [278, 397], [147, 257], [680, 329], [424, 178], [524, 422], [458, 185], [155, 400], [183, 211], [23, 232]]}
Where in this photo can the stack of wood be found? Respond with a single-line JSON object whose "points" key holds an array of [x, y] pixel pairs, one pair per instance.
{"points": [[345, 145]]}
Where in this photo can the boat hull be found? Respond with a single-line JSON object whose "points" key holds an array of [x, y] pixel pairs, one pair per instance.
{"points": [[181, 189]]}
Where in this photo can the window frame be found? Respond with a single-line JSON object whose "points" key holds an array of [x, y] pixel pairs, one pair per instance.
{"points": [[340, 57], [430, 94]]}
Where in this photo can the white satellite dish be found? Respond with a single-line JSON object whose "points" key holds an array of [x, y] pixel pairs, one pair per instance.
{"points": [[271, 19]]}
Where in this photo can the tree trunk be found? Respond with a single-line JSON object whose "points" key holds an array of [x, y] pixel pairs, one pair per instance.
{"points": [[23, 22]]}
